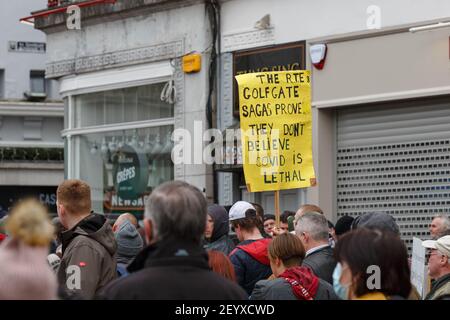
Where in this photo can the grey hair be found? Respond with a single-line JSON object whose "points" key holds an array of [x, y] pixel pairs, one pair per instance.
{"points": [[177, 209], [315, 224], [445, 221]]}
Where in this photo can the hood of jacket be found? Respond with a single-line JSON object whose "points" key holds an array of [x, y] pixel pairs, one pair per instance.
{"points": [[221, 221], [96, 227], [257, 249], [170, 251]]}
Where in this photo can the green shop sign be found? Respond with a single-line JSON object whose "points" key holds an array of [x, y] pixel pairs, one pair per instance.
{"points": [[130, 173]]}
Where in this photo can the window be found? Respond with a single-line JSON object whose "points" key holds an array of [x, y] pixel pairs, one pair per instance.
{"points": [[120, 143], [37, 81], [2, 84], [121, 106]]}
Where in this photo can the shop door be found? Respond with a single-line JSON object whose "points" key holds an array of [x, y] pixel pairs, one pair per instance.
{"points": [[395, 158]]}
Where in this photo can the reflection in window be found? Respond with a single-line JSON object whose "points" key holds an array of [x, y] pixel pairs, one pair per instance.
{"points": [[122, 105], [148, 156]]}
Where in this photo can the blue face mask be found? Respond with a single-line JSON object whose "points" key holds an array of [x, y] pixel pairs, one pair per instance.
{"points": [[341, 291]]}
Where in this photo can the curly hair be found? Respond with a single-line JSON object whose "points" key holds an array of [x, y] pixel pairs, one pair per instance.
{"points": [[29, 222]]}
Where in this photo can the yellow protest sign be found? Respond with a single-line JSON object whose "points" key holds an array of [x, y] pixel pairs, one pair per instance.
{"points": [[276, 134]]}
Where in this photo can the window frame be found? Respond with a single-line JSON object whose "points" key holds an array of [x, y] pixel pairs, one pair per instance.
{"points": [[133, 76]]}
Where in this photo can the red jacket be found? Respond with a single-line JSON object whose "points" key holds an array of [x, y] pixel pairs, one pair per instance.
{"points": [[251, 262]]}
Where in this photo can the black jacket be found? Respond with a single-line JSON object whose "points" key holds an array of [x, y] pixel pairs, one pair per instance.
{"points": [[172, 270], [251, 263], [224, 244], [322, 263]]}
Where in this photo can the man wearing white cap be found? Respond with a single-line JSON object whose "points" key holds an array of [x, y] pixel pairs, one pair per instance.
{"points": [[439, 267], [249, 258]]}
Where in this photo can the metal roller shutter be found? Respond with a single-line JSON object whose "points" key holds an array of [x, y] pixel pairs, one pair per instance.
{"points": [[395, 159]]}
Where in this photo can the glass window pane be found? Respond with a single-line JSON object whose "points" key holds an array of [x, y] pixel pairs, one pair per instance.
{"points": [[37, 81], [122, 105], [123, 167]]}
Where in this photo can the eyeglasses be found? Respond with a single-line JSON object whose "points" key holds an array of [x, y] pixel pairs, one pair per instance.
{"points": [[432, 253]]}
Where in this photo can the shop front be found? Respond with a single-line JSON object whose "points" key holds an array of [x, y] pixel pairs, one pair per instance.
{"points": [[119, 141], [10, 195], [382, 105]]}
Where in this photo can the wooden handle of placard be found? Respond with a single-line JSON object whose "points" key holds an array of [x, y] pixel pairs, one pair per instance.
{"points": [[277, 208]]}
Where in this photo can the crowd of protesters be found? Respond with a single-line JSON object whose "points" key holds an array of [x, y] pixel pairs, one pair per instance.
{"points": [[185, 249]]}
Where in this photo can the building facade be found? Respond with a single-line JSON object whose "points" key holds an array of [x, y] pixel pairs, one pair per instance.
{"points": [[122, 80], [31, 113], [380, 104]]}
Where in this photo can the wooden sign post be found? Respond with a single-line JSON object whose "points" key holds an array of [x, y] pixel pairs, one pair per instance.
{"points": [[277, 208]]}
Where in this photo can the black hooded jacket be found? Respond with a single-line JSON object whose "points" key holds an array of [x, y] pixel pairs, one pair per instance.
{"points": [[219, 239], [172, 269]]}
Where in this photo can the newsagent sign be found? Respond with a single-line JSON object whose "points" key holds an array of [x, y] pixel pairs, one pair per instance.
{"points": [[276, 133]]}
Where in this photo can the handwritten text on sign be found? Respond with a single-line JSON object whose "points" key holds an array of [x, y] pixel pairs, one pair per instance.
{"points": [[275, 110]]}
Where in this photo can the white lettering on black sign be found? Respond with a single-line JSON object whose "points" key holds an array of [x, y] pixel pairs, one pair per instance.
{"points": [[126, 174]]}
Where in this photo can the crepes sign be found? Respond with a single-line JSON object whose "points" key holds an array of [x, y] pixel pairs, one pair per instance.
{"points": [[130, 173]]}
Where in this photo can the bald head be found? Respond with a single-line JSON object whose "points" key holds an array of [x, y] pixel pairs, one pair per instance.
{"points": [[121, 219], [305, 209]]}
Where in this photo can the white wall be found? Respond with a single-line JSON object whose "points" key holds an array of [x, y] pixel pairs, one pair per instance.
{"points": [[188, 23], [295, 20]]}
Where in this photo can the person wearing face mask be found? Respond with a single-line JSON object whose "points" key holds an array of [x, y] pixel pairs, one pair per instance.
{"points": [[372, 265], [216, 231]]}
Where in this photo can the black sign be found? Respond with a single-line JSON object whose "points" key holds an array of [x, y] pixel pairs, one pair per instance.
{"points": [[25, 46], [9, 195], [280, 58]]}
